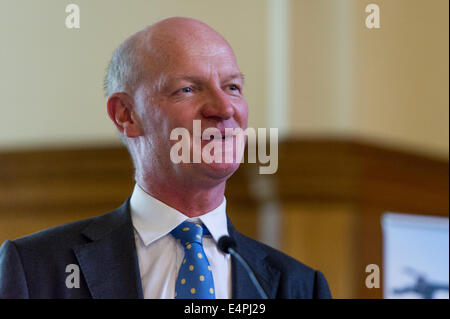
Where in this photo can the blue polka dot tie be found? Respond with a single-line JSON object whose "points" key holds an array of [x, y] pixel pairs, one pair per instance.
{"points": [[195, 280]]}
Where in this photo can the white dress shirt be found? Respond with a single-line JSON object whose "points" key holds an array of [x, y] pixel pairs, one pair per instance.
{"points": [[159, 254]]}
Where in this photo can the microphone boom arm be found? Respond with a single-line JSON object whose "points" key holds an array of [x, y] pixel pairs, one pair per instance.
{"points": [[249, 271]]}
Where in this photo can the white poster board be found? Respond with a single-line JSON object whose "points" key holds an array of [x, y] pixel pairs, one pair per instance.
{"points": [[415, 256]]}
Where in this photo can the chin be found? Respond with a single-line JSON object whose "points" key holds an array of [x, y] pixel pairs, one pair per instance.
{"points": [[220, 171]]}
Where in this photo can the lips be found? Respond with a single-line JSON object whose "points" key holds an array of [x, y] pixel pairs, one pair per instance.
{"points": [[214, 138], [223, 135]]}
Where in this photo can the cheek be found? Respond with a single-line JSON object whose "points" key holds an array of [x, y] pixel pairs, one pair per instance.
{"points": [[151, 123], [167, 118], [243, 115], [181, 117]]}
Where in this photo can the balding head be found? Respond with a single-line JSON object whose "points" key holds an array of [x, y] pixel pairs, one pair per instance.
{"points": [[163, 79], [144, 53]]}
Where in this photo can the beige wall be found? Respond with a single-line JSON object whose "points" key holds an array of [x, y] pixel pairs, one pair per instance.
{"points": [[318, 105], [51, 83], [401, 76], [387, 85]]}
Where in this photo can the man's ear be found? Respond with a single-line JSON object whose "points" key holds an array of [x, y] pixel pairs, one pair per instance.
{"points": [[120, 110]]}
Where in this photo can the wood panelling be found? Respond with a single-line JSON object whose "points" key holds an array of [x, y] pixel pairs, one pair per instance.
{"points": [[40, 189], [348, 185], [322, 235], [331, 193], [352, 171]]}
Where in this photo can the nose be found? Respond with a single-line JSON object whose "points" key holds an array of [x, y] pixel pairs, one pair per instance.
{"points": [[218, 106]]}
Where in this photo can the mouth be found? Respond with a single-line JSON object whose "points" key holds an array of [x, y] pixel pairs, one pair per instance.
{"points": [[219, 135], [216, 138]]}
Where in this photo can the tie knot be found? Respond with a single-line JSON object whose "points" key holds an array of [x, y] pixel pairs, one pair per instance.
{"points": [[189, 232]]}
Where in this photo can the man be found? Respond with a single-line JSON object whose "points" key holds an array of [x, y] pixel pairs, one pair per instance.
{"points": [[162, 78]]}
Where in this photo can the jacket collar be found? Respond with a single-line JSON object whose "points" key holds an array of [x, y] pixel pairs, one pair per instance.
{"points": [[255, 255], [109, 262], [110, 265]]}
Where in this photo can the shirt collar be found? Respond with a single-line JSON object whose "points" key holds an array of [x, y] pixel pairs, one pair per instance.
{"points": [[154, 219]]}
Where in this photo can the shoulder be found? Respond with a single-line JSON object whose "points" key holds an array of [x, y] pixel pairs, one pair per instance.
{"points": [[62, 235], [31, 265], [36, 265], [45, 250], [59, 239], [296, 280], [277, 258]]}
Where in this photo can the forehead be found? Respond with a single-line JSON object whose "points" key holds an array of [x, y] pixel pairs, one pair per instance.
{"points": [[220, 63], [192, 58]]}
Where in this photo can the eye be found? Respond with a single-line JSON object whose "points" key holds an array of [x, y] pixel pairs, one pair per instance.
{"points": [[233, 87], [186, 90]]}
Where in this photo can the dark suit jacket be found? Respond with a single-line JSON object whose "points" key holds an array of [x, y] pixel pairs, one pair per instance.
{"points": [[104, 248]]}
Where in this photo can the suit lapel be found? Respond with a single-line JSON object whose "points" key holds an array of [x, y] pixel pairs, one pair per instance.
{"points": [[110, 266], [253, 253], [109, 263]]}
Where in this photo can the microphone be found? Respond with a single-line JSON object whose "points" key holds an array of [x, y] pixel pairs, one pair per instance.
{"points": [[228, 246]]}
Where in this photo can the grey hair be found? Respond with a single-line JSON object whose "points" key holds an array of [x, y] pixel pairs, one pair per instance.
{"points": [[124, 70]]}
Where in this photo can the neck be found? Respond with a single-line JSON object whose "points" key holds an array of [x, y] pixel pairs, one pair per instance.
{"points": [[190, 200]]}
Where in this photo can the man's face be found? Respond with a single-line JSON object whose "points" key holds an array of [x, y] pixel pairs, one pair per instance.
{"points": [[191, 83]]}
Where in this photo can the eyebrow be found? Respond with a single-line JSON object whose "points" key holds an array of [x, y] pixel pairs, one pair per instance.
{"points": [[239, 76], [198, 79]]}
